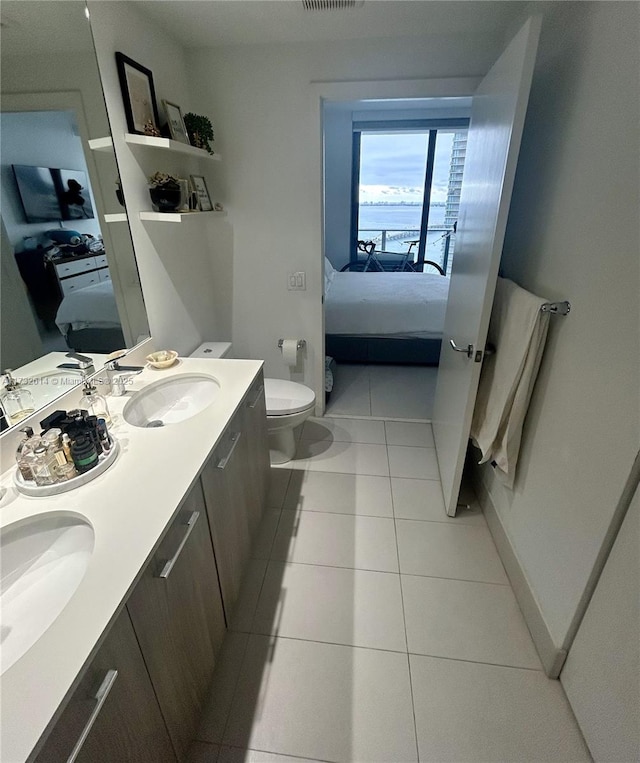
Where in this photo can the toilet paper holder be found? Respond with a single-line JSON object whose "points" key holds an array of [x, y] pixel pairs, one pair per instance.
{"points": [[302, 343]]}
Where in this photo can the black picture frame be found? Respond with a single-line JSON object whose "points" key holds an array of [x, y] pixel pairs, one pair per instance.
{"points": [[199, 185], [138, 94]]}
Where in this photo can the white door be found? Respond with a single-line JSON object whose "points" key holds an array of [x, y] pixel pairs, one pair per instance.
{"points": [[497, 117]]}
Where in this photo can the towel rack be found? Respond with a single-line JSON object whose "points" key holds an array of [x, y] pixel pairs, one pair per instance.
{"points": [[556, 308]]}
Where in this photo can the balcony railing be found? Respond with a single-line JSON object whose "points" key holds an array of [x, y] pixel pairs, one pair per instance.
{"points": [[439, 246]]}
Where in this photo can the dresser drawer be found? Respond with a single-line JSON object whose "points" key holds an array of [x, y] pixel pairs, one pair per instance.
{"points": [[66, 269], [104, 274], [101, 261], [79, 282]]}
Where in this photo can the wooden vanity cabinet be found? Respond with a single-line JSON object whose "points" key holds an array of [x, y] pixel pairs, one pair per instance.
{"points": [[235, 483], [254, 418], [177, 614], [113, 714]]}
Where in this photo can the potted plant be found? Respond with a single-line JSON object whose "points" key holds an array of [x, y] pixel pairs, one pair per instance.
{"points": [[200, 130], [165, 192]]}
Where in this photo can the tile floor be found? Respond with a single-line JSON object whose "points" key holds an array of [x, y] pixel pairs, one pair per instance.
{"points": [[402, 392], [372, 627]]}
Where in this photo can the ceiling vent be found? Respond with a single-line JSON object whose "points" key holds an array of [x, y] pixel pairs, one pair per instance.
{"points": [[331, 5]]}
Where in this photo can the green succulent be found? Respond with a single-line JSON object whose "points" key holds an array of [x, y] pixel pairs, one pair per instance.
{"points": [[162, 178]]}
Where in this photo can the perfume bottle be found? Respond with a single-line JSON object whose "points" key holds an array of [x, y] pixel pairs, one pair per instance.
{"points": [[24, 453], [94, 402], [16, 399]]}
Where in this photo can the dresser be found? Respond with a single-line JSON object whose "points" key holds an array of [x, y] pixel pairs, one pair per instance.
{"points": [[75, 273]]}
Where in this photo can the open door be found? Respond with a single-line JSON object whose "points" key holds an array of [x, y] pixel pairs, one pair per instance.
{"points": [[497, 118]]}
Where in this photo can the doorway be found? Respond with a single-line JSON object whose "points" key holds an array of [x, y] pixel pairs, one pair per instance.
{"points": [[393, 172]]}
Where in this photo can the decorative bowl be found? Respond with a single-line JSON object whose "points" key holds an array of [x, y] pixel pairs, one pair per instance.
{"points": [[162, 358]]}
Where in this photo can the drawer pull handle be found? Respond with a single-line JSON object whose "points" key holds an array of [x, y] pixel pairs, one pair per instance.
{"points": [[235, 438], [166, 570], [257, 397], [99, 697]]}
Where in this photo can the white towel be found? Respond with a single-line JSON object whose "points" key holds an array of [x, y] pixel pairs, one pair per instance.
{"points": [[518, 329]]}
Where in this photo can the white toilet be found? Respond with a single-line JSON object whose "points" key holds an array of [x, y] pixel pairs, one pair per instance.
{"points": [[288, 403]]}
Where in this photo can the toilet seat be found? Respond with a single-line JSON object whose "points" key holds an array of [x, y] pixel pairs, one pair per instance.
{"points": [[284, 398]]}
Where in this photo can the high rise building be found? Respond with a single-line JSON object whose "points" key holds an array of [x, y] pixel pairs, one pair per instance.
{"points": [[456, 169]]}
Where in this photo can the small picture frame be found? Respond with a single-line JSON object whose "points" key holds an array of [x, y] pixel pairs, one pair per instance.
{"points": [[200, 187], [138, 94], [177, 130]]}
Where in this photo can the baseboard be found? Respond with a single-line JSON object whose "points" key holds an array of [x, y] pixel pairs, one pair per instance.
{"points": [[551, 656]]}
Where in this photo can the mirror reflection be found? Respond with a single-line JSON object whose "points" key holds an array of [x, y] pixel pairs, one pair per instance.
{"points": [[69, 278]]}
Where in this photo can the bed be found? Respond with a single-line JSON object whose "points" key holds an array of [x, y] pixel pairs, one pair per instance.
{"points": [[89, 321], [384, 317]]}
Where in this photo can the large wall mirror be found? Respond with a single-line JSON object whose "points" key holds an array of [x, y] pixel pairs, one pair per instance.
{"points": [[69, 280]]}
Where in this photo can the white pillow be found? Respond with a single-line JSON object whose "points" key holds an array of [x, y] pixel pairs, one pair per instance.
{"points": [[329, 273]]}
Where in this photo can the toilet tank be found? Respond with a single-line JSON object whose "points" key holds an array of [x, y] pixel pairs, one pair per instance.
{"points": [[212, 350]]}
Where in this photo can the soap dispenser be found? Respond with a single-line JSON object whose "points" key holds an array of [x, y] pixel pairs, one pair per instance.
{"points": [[94, 402], [16, 399]]}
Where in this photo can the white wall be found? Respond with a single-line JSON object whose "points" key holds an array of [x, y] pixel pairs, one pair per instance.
{"points": [[601, 672], [266, 116], [40, 139], [573, 234], [184, 271]]}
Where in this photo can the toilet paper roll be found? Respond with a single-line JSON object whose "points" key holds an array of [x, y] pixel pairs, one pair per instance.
{"points": [[290, 352]]}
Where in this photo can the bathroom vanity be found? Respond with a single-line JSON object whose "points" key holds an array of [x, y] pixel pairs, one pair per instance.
{"points": [[123, 671]]}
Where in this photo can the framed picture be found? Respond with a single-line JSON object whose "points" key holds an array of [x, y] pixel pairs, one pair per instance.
{"points": [[138, 94], [176, 124], [200, 187]]}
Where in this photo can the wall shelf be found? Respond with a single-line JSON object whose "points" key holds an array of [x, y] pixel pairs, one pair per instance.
{"points": [[178, 217], [101, 144], [169, 145], [120, 217]]}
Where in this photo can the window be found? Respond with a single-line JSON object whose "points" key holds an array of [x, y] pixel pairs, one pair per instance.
{"points": [[406, 185]]}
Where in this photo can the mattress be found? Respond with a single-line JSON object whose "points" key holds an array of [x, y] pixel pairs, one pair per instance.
{"points": [[92, 307], [386, 304]]}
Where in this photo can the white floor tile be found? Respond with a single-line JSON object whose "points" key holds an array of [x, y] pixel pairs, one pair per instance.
{"points": [[263, 541], [408, 433], [324, 702], [339, 606], [350, 393], [466, 621], [344, 430], [416, 463], [343, 457], [223, 686], [473, 712], [278, 487], [336, 540], [441, 550], [340, 493], [203, 752], [236, 755], [241, 617], [422, 499]]}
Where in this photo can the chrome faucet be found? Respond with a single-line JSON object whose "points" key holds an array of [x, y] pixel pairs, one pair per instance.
{"points": [[117, 374], [84, 364]]}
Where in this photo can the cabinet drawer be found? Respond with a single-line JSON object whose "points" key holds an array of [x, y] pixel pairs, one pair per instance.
{"points": [[113, 714], [66, 269], [101, 261], [79, 282], [104, 274]]}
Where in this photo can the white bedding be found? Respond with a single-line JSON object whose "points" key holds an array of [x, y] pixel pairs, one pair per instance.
{"points": [[386, 304], [92, 307]]}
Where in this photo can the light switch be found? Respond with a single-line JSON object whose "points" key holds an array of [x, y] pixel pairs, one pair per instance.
{"points": [[297, 281]]}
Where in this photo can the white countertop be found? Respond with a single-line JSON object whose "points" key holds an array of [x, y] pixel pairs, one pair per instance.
{"points": [[129, 507]]}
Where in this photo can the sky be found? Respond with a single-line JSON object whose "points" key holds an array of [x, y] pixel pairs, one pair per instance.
{"points": [[392, 167]]}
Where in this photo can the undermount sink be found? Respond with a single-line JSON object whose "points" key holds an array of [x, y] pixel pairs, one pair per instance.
{"points": [[171, 401], [42, 561]]}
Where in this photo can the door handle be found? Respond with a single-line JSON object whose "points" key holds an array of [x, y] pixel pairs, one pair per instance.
{"points": [[235, 437], [256, 399], [166, 570], [99, 698], [468, 350]]}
